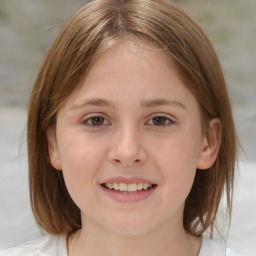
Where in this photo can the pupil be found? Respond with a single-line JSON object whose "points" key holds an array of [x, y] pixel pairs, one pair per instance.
{"points": [[159, 120], [97, 120]]}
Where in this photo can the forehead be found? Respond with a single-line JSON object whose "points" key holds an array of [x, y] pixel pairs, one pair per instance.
{"points": [[133, 73], [126, 60], [110, 52]]}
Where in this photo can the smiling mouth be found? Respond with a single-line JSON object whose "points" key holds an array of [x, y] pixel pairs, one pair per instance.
{"points": [[128, 188]]}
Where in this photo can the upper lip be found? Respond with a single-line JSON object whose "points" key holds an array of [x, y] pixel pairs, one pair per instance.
{"points": [[127, 180]]}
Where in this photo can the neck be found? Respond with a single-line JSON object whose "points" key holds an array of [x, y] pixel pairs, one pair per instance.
{"points": [[95, 241]]}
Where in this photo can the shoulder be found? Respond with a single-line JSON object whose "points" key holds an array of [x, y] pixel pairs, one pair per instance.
{"points": [[212, 248], [50, 245], [231, 253]]}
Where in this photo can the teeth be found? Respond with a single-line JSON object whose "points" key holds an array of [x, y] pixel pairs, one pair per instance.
{"points": [[133, 187], [123, 187], [109, 185], [115, 186], [140, 186], [146, 186]]}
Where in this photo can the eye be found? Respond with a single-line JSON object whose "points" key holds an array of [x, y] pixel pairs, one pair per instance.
{"points": [[160, 121], [95, 121]]}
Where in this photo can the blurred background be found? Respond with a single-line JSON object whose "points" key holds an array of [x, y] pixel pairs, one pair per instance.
{"points": [[27, 29]]}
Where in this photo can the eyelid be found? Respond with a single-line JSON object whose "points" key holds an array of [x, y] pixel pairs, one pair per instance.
{"points": [[90, 116], [168, 117]]}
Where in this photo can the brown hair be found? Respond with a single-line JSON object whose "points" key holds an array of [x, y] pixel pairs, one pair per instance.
{"points": [[96, 27]]}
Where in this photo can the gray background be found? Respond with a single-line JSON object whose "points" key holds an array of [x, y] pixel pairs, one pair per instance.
{"points": [[27, 28]]}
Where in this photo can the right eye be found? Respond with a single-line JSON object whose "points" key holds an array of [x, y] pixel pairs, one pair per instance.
{"points": [[95, 121]]}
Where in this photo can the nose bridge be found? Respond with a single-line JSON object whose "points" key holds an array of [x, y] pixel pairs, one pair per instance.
{"points": [[128, 137], [127, 147]]}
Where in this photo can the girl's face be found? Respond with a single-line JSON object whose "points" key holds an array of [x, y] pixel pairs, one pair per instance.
{"points": [[129, 141]]}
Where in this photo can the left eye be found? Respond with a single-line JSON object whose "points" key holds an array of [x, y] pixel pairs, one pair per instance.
{"points": [[160, 121]]}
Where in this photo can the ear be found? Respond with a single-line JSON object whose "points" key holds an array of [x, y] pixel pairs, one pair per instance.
{"points": [[210, 145], [53, 148]]}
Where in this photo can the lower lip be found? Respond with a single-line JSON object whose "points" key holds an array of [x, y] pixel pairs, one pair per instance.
{"points": [[128, 196]]}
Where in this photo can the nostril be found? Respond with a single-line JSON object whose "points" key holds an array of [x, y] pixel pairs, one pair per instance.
{"points": [[126, 162], [127, 157]]}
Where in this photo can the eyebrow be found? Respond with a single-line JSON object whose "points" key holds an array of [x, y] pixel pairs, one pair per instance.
{"points": [[146, 103], [95, 102], [161, 102]]}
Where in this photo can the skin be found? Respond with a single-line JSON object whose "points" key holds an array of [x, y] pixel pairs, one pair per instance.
{"points": [[129, 141]]}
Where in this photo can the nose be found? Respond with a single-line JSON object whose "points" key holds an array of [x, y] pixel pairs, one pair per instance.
{"points": [[127, 148]]}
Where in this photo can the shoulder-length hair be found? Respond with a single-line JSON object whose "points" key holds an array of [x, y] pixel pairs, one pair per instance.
{"points": [[95, 28]]}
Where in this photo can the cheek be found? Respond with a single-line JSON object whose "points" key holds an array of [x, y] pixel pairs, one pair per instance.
{"points": [[79, 151], [178, 151], [176, 158], [81, 159]]}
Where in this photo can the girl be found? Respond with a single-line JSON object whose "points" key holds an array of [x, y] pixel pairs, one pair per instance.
{"points": [[131, 140]]}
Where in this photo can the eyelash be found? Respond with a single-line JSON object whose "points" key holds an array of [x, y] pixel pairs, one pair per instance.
{"points": [[85, 122], [90, 119], [166, 119]]}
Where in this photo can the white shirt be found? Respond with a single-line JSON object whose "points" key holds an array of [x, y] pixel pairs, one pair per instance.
{"points": [[56, 245]]}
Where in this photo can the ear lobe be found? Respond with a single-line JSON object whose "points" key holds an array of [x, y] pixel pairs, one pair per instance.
{"points": [[53, 149], [210, 145]]}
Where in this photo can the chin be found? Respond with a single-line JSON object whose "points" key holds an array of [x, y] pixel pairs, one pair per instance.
{"points": [[130, 227]]}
